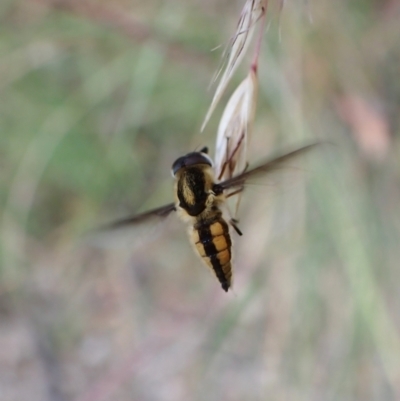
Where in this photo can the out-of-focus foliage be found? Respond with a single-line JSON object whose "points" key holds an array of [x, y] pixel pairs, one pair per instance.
{"points": [[97, 99]]}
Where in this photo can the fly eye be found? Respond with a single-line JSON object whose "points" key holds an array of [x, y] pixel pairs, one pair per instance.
{"points": [[191, 159], [208, 158]]}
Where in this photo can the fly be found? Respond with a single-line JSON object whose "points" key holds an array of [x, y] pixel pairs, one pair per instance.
{"points": [[199, 202]]}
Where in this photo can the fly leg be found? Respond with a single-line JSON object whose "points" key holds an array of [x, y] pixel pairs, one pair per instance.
{"points": [[232, 221], [229, 159], [238, 191], [241, 189]]}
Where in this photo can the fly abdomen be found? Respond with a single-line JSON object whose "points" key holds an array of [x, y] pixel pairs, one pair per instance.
{"points": [[213, 243]]}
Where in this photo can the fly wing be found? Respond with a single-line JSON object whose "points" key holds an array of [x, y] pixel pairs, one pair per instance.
{"points": [[132, 229], [159, 212], [265, 168]]}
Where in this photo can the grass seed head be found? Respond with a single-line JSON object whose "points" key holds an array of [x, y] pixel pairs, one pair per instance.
{"points": [[235, 128], [251, 13]]}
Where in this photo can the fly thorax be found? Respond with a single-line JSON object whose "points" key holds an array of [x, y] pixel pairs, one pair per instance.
{"points": [[193, 189]]}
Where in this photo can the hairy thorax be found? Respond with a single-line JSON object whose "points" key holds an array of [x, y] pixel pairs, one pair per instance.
{"points": [[194, 197]]}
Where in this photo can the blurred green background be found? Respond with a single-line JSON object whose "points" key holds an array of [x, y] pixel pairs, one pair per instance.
{"points": [[97, 99]]}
